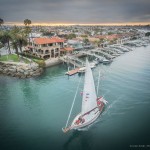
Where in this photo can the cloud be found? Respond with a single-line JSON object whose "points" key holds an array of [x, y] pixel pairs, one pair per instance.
{"points": [[76, 11]]}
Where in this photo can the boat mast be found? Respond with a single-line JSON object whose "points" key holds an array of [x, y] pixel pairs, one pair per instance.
{"points": [[98, 82], [72, 104]]}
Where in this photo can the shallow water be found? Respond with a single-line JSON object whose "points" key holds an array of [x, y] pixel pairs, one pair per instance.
{"points": [[33, 111]]}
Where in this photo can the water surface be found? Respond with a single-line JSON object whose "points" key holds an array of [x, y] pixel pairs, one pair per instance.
{"points": [[33, 111]]}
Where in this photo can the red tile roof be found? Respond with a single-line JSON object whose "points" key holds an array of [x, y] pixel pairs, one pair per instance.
{"points": [[67, 49], [48, 40]]}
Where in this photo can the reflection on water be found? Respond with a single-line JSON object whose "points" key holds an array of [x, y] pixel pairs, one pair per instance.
{"points": [[78, 137], [30, 93]]}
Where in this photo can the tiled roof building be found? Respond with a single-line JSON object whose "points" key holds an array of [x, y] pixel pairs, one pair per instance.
{"points": [[47, 47]]}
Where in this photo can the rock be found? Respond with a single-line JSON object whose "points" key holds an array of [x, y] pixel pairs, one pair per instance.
{"points": [[28, 76], [40, 70], [5, 70], [1, 70], [13, 67], [20, 70], [34, 67], [26, 73], [22, 77], [8, 73], [36, 74], [36, 71], [13, 75], [12, 70], [18, 74], [31, 73]]}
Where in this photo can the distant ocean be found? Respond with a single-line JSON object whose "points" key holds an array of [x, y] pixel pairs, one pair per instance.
{"points": [[33, 111]]}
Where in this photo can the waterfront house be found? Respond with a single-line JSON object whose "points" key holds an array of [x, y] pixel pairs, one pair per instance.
{"points": [[46, 48]]}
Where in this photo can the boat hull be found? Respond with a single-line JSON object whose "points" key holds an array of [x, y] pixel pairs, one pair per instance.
{"points": [[98, 110], [86, 124]]}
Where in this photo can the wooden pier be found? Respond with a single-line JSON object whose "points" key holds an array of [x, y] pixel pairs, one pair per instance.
{"points": [[72, 72]]}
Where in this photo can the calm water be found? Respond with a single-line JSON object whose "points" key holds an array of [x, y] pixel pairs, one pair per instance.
{"points": [[33, 111]]}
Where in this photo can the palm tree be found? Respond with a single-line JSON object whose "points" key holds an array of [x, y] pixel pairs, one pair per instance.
{"points": [[21, 40], [14, 45], [27, 22], [1, 22], [5, 38]]}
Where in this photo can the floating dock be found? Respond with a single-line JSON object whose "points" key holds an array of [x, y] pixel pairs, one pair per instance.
{"points": [[72, 72]]}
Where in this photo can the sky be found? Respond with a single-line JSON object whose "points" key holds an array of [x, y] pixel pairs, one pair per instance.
{"points": [[76, 11]]}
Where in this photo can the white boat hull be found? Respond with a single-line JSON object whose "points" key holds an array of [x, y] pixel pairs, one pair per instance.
{"points": [[85, 124], [89, 118]]}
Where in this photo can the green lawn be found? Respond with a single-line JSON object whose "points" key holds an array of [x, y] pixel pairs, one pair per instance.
{"points": [[10, 57], [13, 58], [39, 61], [36, 59]]}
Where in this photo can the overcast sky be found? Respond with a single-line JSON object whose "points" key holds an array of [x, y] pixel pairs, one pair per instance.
{"points": [[76, 11]]}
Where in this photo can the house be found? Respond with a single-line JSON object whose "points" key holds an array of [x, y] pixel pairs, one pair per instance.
{"points": [[75, 44], [46, 47]]}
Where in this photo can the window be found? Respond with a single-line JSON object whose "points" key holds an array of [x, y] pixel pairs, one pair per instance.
{"points": [[44, 45], [50, 44]]}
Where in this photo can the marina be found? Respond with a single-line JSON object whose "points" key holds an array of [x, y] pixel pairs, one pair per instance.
{"points": [[101, 55]]}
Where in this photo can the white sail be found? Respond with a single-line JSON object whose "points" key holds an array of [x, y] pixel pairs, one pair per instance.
{"points": [[89, 93]]}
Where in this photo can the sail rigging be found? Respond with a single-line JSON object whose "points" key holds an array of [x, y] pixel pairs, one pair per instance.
{"points": [[98, 82], [73, 103]]}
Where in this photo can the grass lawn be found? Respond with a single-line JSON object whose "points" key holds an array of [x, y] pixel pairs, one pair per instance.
{"points": [[39, 61], [13, 58], [36, 59]]}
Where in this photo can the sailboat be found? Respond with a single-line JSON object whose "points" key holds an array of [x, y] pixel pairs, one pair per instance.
{"points": [[92, 105]]}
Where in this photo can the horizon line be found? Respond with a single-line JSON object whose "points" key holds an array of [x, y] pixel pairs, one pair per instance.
{"points": [[82, 24]]}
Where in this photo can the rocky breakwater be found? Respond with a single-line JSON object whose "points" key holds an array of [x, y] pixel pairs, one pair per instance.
{"points": [[20, 70]]}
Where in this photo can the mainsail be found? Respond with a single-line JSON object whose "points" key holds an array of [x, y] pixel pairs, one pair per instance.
{"points": [[89, 93]]}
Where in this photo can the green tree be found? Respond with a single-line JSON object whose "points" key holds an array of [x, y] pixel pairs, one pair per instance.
{"points": [[27, 22], [21, 41], [5, 38], [84, 36], [1, 22], [147, 34], [71, 36], [27, 30], [96, 43], [14, 45], [19, 38], [86, 41], [110, 33]]}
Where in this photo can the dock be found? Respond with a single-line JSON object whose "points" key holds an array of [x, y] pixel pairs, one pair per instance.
{"points": [[72, 61], [92, 54], [72, 72], [99, 51]]}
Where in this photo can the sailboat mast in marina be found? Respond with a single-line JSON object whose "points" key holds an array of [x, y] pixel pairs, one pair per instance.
{"points": [[92, 105]]}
